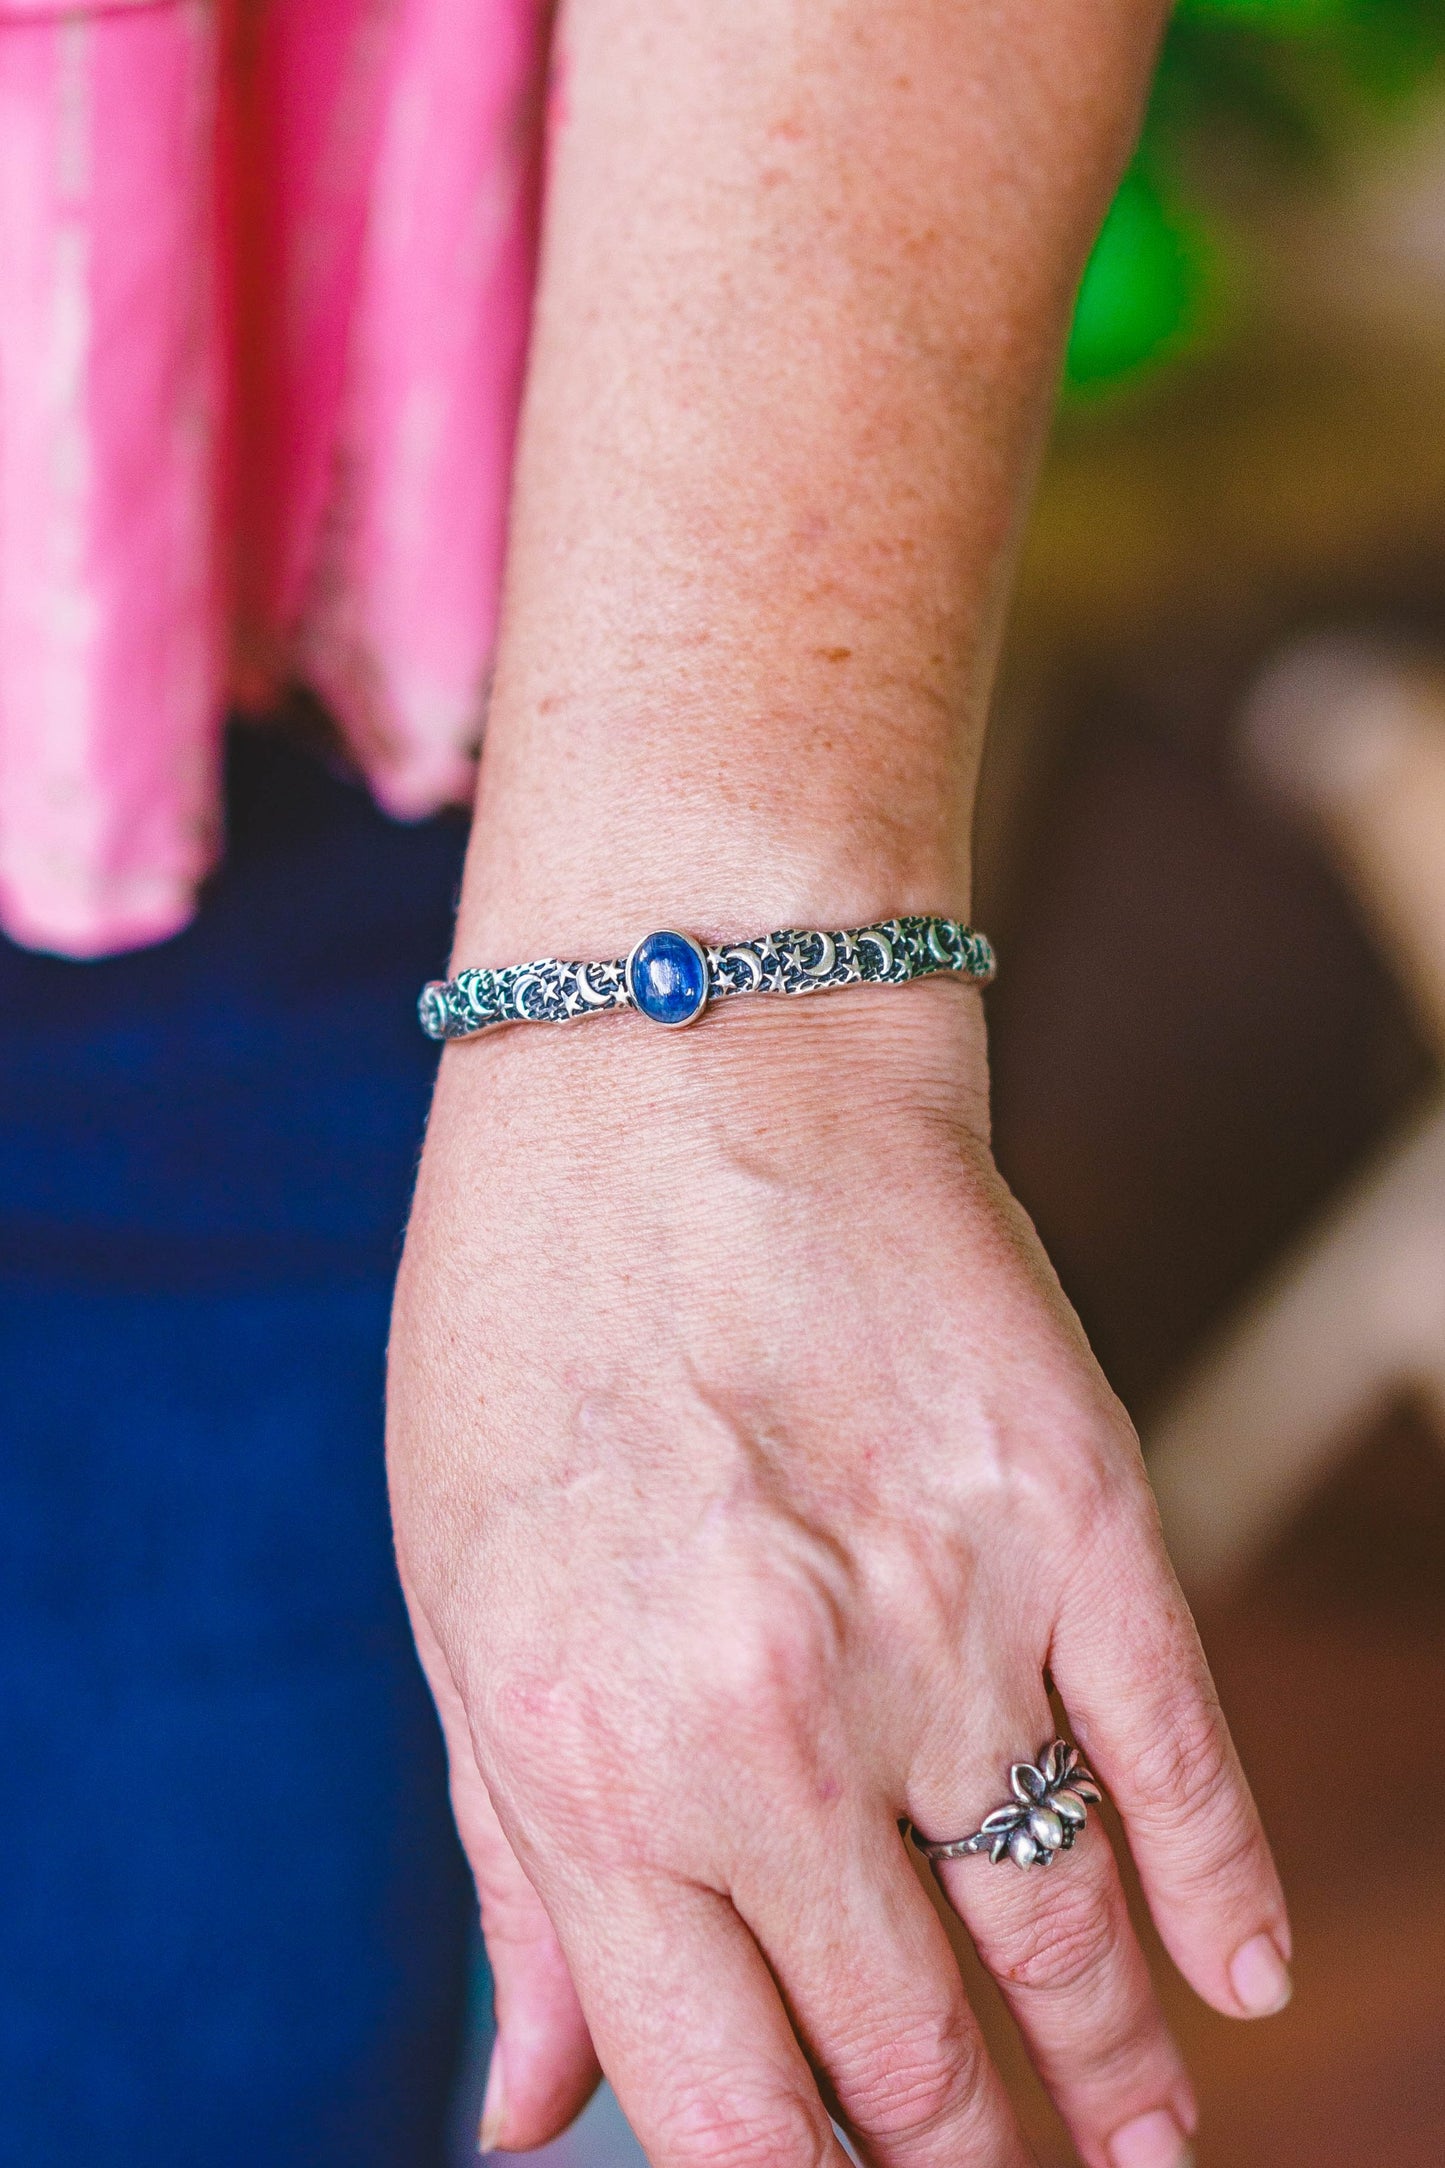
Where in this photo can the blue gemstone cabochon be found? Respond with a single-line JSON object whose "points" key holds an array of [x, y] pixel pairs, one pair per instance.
{"points": [[667, 975]]}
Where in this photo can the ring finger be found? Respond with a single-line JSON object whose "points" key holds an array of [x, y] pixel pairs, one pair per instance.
{"points": [[1059, 1941]]}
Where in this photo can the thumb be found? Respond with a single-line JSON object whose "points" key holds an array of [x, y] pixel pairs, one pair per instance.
{"points": [[544, 2067]]}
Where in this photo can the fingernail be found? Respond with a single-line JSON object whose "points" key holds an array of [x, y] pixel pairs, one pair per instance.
{"points": [[1260, 1976], [493, 2104], [1151, 2141]]}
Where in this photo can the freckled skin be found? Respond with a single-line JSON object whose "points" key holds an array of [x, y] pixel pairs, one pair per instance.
{"points": [[750, 1471]]}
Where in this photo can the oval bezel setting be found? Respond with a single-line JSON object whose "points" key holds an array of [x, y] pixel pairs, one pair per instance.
{"points": [[638, 961]]}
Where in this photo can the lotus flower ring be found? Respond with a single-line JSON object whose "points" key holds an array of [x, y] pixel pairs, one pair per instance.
{"points": [[1050, 1805]]}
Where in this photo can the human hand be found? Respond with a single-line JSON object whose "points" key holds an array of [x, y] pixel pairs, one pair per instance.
{"points": [[749, 1471]]}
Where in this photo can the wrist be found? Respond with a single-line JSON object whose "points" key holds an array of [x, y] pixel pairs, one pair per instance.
{"points": [[717, 889], [594, 827], [752, 1068]]}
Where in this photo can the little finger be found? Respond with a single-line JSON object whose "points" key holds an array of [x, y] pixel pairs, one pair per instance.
{"points": [[544, 2068]]}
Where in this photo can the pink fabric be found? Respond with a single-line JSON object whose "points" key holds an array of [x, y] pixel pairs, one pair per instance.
{"points": [[262, 325], [108, 406]]}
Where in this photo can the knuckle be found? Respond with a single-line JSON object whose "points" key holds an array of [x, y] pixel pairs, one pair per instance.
{"points": [[1187, 1771], [544, 1733], [924, 2073], [1099, 1485], [705, 2130], [532, 1709], [1056, 1949], [1193, 1788], [561, 1747], [777, 1658], [1087, 1488]]}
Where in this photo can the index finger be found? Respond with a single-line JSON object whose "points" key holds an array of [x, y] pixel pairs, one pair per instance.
{"points": [[1127, 1659]]}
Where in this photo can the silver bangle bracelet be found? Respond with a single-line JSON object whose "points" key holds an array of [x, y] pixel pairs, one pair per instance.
{"points": [[671, 978]]}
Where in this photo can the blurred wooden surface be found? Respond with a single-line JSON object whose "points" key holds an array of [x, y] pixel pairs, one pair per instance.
{"points": [[1352, 739]]}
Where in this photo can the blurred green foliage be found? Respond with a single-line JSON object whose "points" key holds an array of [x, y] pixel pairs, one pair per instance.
{"points": [[1144, 287], [1279, 85]]}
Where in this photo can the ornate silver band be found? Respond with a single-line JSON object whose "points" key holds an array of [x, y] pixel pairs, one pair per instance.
{"points": [[672, 978], [1051, 1799]]}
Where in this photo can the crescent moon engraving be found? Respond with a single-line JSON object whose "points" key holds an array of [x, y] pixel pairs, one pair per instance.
{"points": [[588, 991], [884, 946], [828, 956], [755, 969], [521, 987], [940, 949]]}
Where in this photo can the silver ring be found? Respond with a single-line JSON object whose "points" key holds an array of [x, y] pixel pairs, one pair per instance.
{"points": [[1050, 1805]]}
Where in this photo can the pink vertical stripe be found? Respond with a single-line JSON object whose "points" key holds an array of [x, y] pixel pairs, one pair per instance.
{"points": [[309, 80], [403, 611], [108, 424]]}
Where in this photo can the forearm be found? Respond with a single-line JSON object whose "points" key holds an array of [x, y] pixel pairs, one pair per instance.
{"points": [[806, 277], [750, 1472]]}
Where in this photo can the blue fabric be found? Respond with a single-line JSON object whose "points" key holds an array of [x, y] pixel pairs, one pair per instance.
{"points": [[233, 1915]]}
